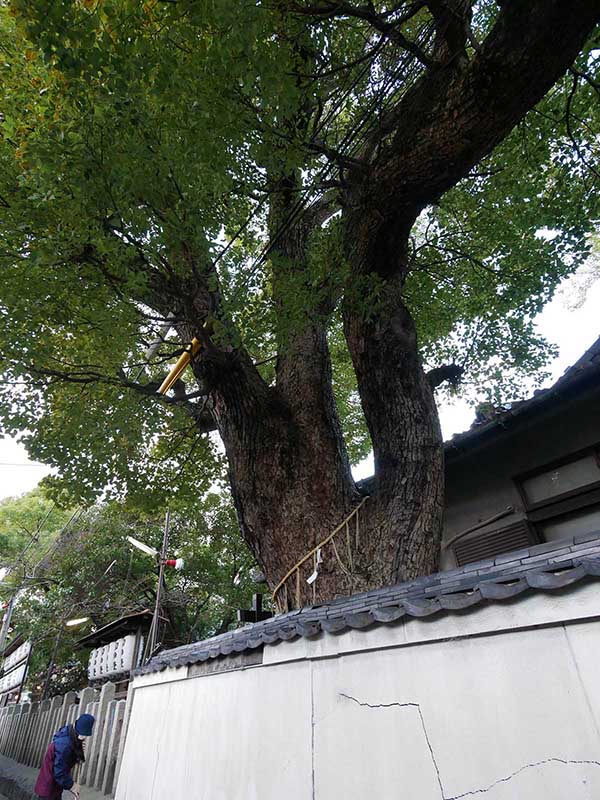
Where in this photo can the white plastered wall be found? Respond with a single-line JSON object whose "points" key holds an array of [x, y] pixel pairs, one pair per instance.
{"points": [[241, 735], [475, 705], [506, 717]]}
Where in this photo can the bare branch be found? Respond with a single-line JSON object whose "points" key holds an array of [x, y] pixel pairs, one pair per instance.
{"points": [[390, 28]]}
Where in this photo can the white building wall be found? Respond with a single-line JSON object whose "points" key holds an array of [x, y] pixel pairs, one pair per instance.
{"points": [[486, 715], [501, 711], [240, 735]]}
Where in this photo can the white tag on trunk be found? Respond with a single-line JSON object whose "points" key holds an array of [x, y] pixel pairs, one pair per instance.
{"points": [[312, 578]]}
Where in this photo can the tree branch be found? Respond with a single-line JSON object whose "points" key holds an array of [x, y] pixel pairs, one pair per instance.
{"points": [[452, 20], [452, 117], [329, 9], [332, 154], [323, 209], [202, 418]]}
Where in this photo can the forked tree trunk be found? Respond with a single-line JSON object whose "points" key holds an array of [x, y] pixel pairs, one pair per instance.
{"points": [[288, 466], [289, 470], [289, 481], [291, 486]]}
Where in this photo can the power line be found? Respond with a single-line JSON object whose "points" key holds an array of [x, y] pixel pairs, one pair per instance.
{"points": [[349, 143], [23, 464], [331, 114]]}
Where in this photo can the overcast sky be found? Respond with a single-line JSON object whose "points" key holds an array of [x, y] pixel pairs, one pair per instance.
{"points": [[573, 330]]}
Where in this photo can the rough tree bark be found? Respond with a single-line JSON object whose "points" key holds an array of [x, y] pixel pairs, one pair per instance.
{"points": [[454, 116], [287, 462], [288, 467]]}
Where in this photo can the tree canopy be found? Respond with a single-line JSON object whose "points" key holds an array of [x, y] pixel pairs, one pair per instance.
{"points": [[276, 178], [28, 525], [88, 569]]}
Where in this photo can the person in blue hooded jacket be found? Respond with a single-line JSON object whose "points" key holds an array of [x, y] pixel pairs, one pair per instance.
{"points": [[64, 751]]}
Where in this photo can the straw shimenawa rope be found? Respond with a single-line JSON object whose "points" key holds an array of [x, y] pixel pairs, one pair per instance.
{"points": [[342, 525]]}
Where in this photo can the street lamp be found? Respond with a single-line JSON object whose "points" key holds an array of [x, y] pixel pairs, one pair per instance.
{"points": [[72, 623], [177, 563], [163, 562], [145, 548]]}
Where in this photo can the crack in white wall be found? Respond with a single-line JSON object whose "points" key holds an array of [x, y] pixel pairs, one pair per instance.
{"points": [[472, 792]]}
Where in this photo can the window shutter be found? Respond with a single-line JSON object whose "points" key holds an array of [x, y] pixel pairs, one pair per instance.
{"points": [[493, 543]]}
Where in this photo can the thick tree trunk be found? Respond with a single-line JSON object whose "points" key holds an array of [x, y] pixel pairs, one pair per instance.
{"points": [[289, 478], [405, 515], [288, 468]]}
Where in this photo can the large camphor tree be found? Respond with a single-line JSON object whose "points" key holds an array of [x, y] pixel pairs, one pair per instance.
{"points": [[346, 203]]}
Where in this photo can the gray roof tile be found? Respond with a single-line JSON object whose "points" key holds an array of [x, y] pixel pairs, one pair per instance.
{"points": [[592, 566], [502, 590], [552, 566], [578, 552], [513, 556], [585, 371], [390, 613], [550, 579], [586, 537]]}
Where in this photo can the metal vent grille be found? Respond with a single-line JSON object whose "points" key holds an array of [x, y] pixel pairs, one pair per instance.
{"points": [[493, 543]]}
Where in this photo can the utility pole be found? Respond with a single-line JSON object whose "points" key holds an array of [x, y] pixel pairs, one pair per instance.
{"points": [[153, 634]]}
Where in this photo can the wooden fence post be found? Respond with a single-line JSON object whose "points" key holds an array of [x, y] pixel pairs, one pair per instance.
{"points": [[69, 700], [31, 728], [107, 694], [98, 776], [108, 784], [24, 723], [85, 770], [16, 722], [88, 696], [49, 729], [3, 723], [35, 760]]}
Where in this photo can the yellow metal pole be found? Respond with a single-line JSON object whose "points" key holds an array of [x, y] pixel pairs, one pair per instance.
{"points": [[180, 367]]}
